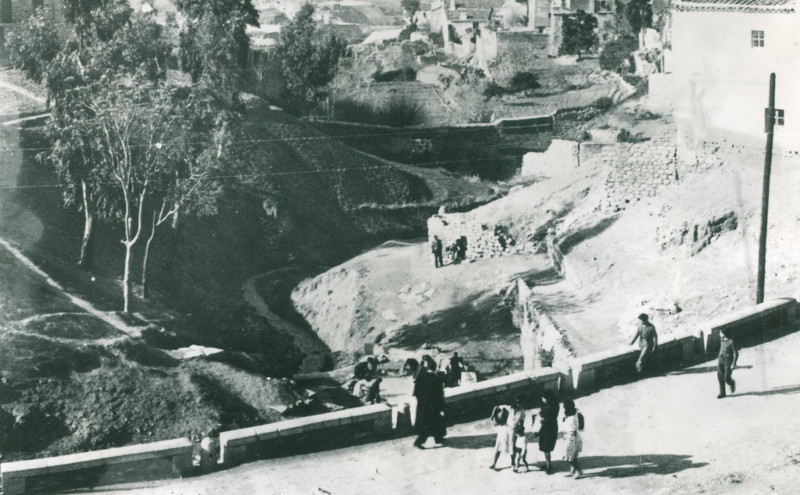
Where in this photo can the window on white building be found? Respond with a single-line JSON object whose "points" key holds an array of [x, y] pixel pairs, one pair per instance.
{"points": [[757, 39]]}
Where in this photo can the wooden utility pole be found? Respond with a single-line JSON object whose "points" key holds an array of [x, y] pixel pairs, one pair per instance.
{"points": [[769, 122]]}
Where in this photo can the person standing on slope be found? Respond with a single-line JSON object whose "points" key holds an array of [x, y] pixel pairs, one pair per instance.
{"points": [[436, 250]]}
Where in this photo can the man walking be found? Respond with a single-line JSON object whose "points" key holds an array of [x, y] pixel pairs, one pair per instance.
{"points": [[436, 249], [429, 391], [648, 341], [726, 362]]}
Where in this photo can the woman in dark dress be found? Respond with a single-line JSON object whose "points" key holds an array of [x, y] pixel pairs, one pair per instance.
{"points": [[548, 432]]}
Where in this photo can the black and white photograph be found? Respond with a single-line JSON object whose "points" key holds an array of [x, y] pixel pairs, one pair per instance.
{"points": [[407, 247]]}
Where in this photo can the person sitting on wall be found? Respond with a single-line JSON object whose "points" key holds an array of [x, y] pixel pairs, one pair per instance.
{"points": [[367, 369], [373, 395], [648, 341]]}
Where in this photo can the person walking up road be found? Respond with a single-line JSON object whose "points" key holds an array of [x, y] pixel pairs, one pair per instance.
{"points": [[648, 341], [726, 362]]}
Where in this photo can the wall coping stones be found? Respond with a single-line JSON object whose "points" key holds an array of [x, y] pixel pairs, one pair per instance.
{"points": [[71, 462]]}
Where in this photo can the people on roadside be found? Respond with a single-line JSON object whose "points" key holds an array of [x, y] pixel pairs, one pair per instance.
{"points": [[429, 392], [461, 249], [373, 394], [548, 430], [436, 250], [726, 363], [366, 369], [410, 367], [573, 424], [504, 442], [429, 362], [455, 368], [648, 341], [518, 441]]}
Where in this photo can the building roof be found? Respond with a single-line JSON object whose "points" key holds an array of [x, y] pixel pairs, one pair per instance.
{"points": [[469, 15], [746, 6]]}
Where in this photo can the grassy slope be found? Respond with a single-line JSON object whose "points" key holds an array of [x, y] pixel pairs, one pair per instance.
{"points": [[73, 383]]}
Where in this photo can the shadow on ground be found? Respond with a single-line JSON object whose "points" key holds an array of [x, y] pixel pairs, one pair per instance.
{"points": [[574, 238], [704, 369], [788, 390], [637, 465]]}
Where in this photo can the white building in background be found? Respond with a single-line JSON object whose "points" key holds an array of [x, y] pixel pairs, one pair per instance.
{"points": [[723, 52]]}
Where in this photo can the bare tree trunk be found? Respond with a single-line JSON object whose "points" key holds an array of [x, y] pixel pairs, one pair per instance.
{"points": [[146, 254], [126, 278], [87, 226]]}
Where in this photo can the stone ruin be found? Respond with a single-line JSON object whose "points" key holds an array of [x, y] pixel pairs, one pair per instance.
{"points": [[483, 240]]}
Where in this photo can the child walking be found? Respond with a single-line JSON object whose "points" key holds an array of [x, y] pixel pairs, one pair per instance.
{"points": [[519, 441], [572, 426]]}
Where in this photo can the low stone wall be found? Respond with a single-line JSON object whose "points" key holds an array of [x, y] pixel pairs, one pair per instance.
{"points": [[303, 434], [170, 458], [673, 350], [477, 399], [749, 324]]}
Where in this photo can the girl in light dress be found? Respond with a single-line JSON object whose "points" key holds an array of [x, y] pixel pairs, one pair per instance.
{"points": [[510, 424], [572, 429]]}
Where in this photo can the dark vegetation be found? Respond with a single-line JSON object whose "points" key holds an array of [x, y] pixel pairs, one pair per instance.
{"points": [[396, 112]]}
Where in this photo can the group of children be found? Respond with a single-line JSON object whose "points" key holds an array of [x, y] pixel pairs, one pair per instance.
{"points": [[511, 438]]}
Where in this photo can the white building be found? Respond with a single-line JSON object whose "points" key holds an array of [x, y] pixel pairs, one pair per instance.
{"points": [[723, 52]]}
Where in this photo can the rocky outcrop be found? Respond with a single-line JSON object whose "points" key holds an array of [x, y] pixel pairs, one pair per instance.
{"points": [[694, 237]]}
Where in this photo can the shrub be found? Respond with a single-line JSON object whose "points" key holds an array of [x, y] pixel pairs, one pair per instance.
{"points": [[437, 39], [404, 74], [493, 89], [397, 112], [616, 52], [402, 112], [405, 34], [524, 81], [604, 103]]}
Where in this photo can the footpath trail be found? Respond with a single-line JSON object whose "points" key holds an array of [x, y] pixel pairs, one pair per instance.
{"points": [[305, 338], [663, 435]]}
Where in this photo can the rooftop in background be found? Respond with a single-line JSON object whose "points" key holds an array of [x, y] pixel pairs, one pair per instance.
{"points": [[747, 6]]}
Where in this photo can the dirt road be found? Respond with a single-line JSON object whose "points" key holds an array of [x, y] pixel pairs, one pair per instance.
{"points": [[667, 434]]}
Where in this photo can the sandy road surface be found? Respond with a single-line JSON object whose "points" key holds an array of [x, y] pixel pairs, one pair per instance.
{"points": [[667, 434]]}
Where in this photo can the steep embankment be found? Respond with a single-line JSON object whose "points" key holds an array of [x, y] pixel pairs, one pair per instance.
{"points": [[392, 295], [682, 251], [72, 381]]}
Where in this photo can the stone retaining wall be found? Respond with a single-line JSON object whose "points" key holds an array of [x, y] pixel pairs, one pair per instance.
{"points": [[483, 240], [638, 170]]}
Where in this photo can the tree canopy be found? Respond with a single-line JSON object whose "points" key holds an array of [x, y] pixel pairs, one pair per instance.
{"points": [[308, 64], [410, 6], [639, 14], [578, 33]]}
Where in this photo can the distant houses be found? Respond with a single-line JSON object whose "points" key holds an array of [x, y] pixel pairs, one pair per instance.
{"points": [[488, 28]]}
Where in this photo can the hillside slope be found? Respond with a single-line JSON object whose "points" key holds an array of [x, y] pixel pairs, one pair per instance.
{"points": [[683, 256]]}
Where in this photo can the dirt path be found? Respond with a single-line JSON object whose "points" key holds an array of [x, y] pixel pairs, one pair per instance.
{"points": [[22, 91], [663, 435], [111, 318], [305, 339]]}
